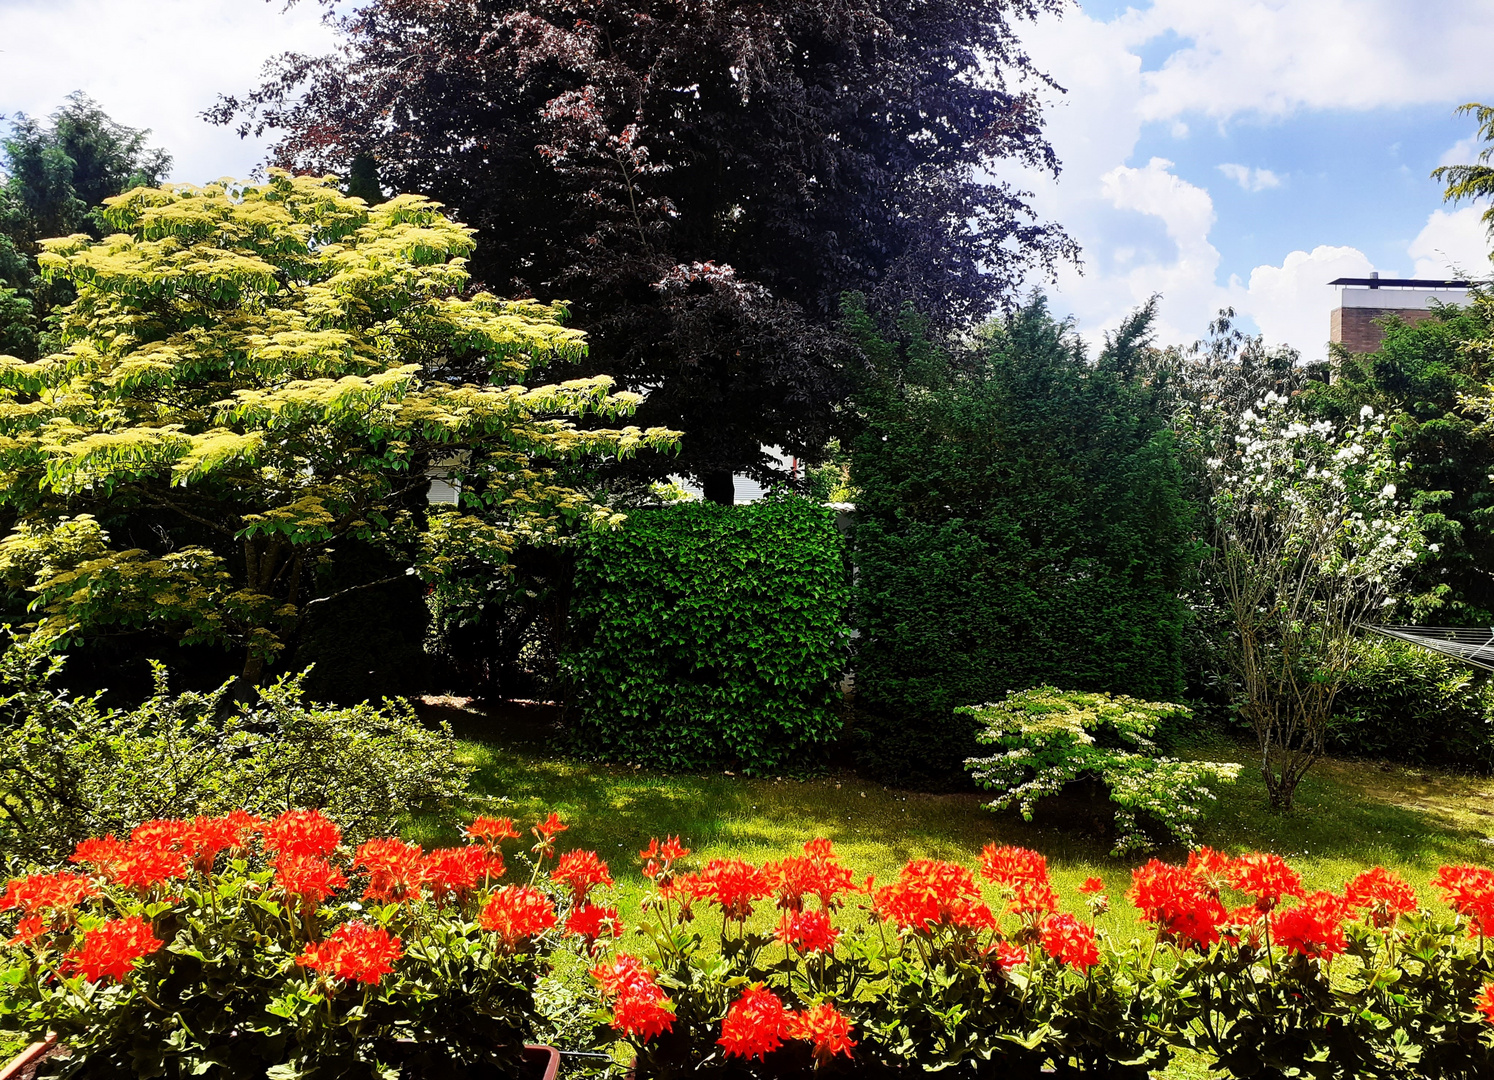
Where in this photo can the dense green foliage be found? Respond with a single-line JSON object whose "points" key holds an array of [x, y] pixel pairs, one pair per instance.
{"points": [[256, 377], [1476, 180], [705, 636], [1418, 378], [70, 769], [55, 179], [1020, 520], [1415, 706], [1047, 739]]}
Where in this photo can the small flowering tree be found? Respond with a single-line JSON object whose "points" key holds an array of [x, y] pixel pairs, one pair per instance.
{"points": [[1309, 538]]}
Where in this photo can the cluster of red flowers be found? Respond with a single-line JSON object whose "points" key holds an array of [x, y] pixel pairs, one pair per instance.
{"points": [[591, 923], [1177, 901], [1067, 939], [731, 884], [1023, 876], [1469, 890], [1266, 877], [111, 948], [659, 858], [815, 873], [1314, 927], [396, 869], [807, 931], [639, 1007], [757, 1023], [356, 951], [1382, 895], [929, 893], [516, 912], [581, 871]]}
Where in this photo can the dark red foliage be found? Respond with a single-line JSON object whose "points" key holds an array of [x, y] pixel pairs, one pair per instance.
{"points": [[702, 181]]}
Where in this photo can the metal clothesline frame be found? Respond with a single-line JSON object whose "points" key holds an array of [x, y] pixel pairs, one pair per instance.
{"points": [[1470, 644]]}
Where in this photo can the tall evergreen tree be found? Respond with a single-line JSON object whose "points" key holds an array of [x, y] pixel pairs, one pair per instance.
{"points": [[702, 181]]}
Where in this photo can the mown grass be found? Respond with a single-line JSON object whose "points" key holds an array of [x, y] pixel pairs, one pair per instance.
{"points": [[1349, 816]]}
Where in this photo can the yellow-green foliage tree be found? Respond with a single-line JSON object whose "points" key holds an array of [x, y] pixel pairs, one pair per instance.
{"points": [[276, 367]]}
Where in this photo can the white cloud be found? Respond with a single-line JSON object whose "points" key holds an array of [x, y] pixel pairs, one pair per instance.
{"points": [[1251, 179], [152, 65], [1450, 243], [1462, 152], [1274, 57], [1291, 303]]}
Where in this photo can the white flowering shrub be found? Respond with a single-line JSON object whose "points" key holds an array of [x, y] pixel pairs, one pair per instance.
{"points": [[1310, 538], [1049, 738]]}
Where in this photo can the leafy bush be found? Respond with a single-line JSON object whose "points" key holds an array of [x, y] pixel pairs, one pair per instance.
{"points": [[235, 946], [708, 635], [1415, 706], [1051, 738], [1020, 520], [945, 974], [71, 769]]}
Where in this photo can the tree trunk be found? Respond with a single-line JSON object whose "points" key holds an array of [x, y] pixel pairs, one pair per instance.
{"points": [[719, 488]]}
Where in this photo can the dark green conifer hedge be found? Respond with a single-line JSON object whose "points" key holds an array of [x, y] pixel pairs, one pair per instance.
{"points": [[1021, 520]]}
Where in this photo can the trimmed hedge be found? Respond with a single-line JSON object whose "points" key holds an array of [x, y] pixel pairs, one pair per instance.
{"points": [[1412, 705], [704, 636], [1020, 521]]}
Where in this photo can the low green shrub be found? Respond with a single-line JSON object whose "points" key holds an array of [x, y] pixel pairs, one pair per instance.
{"points": [[1414, 706], [70, 769], [705, 636], [1048, 739]]}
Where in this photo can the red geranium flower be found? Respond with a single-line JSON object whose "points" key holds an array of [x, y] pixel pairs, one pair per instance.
{"points": [[1175, 899], [166, 833], [548, 828], [807, 931], [732, 884], [582, 871], [815, 873], [754, 1024], [1266, 877], [46, 892], [826, 1027], [395, 869], [458, 870], [1384, 894], [639, 1007], [590, 922], [28, 930], [491, 830], [931, 893], [1009, 956], [1009, 865], [1033, 898], [1469, 890], [355, 951], [1212, 868], [112, 949], [311, 878], [516, 912], [1067, 939], [1092, 885], [145, 865], [99, 852], [205, 837], [659, 858], [302, 832], [1484, 1003], [1314, 927]]}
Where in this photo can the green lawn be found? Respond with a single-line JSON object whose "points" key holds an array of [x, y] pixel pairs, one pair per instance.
{"points": [[1349, 816]]}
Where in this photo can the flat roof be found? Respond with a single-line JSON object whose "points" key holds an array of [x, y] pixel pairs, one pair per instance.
{"points": [[1400, 283]]}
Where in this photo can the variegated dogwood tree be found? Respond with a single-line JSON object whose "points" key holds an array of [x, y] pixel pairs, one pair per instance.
{"points": [[269, 370]]}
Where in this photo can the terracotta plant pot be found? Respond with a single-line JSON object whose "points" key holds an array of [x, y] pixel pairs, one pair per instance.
{"points": [[23, 1065], [540, 1062]]}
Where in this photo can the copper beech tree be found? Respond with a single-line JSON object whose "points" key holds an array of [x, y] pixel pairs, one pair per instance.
{"points": [[260, 373], [703, 180]]}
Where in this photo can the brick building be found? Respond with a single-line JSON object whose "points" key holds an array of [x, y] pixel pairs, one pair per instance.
{"points": [[1363, 300]]}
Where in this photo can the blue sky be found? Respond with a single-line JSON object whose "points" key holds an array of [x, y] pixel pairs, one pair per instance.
{"points": [[1219, 152]]}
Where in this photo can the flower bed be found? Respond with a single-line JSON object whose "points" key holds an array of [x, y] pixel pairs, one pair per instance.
{"points": [[244, 948]]}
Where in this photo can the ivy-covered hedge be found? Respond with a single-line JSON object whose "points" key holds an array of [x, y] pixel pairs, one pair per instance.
{"points": [[1020, 521], [705, 636]]}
